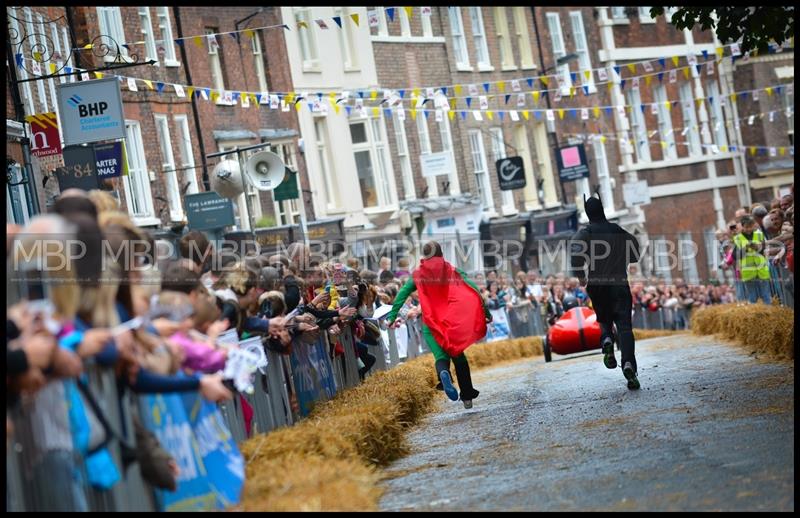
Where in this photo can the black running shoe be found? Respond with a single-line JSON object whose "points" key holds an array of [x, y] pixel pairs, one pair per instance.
{"points": [[630, 375], [609, 360]]}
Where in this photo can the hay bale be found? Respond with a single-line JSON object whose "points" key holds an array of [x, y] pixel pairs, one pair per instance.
{"points": [[761, 328], [311, 483]]}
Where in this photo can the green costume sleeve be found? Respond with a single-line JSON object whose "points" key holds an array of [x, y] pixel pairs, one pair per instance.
{"points": [[474, 287], [408, 288]]}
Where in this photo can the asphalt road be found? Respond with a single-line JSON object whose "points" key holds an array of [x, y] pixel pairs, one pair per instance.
{"points": [[711, 429]]}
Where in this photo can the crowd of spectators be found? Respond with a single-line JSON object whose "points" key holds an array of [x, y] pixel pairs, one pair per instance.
{"points": [[78, 309], [757, 251]]}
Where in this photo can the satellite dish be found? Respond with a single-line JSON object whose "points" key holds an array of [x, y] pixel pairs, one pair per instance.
{"points": [[226, 179], [265, 170]]}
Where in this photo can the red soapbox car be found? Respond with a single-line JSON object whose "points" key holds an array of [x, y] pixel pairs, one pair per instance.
{"points": [[576, 331]]}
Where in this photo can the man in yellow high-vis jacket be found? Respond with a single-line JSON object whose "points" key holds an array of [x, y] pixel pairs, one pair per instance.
{"points": [[753, 264]]}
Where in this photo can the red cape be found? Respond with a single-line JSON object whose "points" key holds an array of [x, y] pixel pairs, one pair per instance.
{"points": [[451, 308]]}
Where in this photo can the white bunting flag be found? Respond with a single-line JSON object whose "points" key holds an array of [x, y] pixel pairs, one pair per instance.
{"points": [[735, 51], [473, 90], [755, 95], [439, 116], [401, 113], [321, 23], [647, 66], [584, 114], [429, 93], [372, 16], [635, 82], [477, 115], [621, 111], [179, 91], [673, 76], [264, 98], [654, 108], [602, 74], [750, 120], [132, 85], [771, 116], [550, 115], [426, 11], [515, 85], [285, 106], [710, 68], [37, 68], [484, 102], [273, 102], [213, 45], [520, 100], [514, 115], [203, 94], [691, 59], [362, 111], [773, 152], [85, 76]]}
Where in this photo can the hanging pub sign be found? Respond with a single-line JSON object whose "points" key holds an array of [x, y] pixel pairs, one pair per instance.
{"points": [[79, 170], [91, 111], [45, 140], [510, 173], [572, 163]]}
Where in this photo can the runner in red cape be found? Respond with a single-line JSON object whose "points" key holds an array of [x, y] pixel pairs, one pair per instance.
{"points": [[453, 317]]}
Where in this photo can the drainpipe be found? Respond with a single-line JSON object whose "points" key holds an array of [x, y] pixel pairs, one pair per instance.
{"points": [[197, 126]]}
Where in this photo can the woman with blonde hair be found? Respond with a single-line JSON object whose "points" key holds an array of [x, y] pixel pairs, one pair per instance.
{"points": [[103, 200]]}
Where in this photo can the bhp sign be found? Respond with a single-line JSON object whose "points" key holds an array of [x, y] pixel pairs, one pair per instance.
{"points": [[91, 111], [45, 140]]}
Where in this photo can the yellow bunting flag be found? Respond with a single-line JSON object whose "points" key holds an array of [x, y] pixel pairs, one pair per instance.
{"points": [[752, 151], [52, 68], [526, 114], [610, 85], [733, 97], [490, 115], [214, 94], [720, 51], [536, 95], [675, 61], [457, 88], [587, 74], [87, 46], [336, 108], [198, 41], [148, 83], [668, 105], [251, 34], [572, 91], [663, 144], [782, 150], [409, 11], [354, 17], [686, 73], [632, 67], [415, 92], [769, 90], [544, 80], [452, 104], [699, 102], [289, 97], [373, 95], [647, 80], [332, 97], [190, 91], [254, 98], [376, 111], [302, 24], [502, 86], [561, 113], [451, 114], [724, 149], [596, 112], [37, 56], [603, 139], [98, 75], [413, 113]]}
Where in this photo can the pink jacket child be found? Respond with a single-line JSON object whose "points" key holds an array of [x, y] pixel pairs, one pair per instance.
{"points": [[200, 357]]}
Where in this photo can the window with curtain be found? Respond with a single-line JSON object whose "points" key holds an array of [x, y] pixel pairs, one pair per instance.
{"points": [[691, 131], [147, 33], [717, 119], [188, 173], [167, 41], [110, 23], [459, 39], [523, 38], [638, 127], [479, 37], [582, 49], [258, 59], [666, 133], [215, 62], [480, 169], [503, 38], [168, 168], [498, 152], [137, 182], [559, 51], [405, 159]]}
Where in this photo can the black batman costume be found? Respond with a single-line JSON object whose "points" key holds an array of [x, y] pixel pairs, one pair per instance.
{"points": [[606, 249]]}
